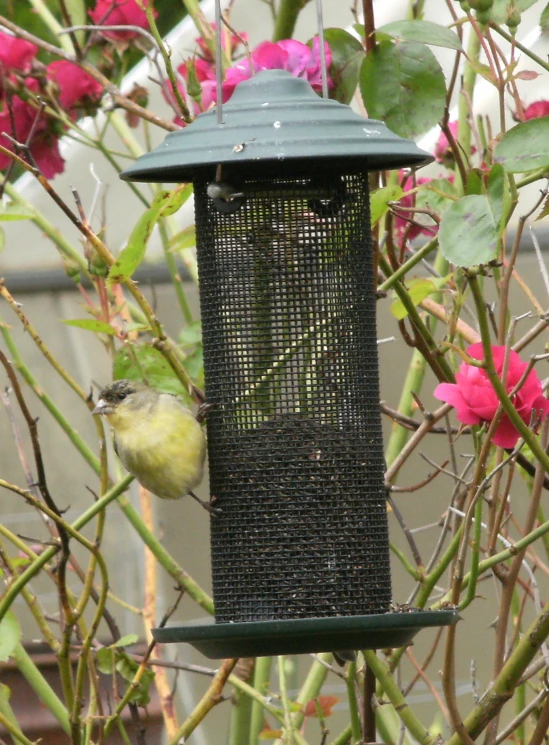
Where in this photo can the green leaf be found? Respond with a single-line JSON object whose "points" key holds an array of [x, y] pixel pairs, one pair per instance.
{"points": [[475, 182], [267, 733], [545, 210], [498, 195], [191, 334], [194, 365], [109, 659], [10, 635], [544, 18], [164, 204], [524, 147], [105, 659], [175, 199], [484, 70], [437, 195], [126, 640], [403, 84], [501, 9], [12, 211], [90, 324], [127, 667], [294, 706], [418, 289], [347, 55], [426, 32], [469, 231], [379, 201], [128, 327], [184, 239], [142, 361]]}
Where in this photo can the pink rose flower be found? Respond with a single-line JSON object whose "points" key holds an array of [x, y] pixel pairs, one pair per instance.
{"points": [[76, 88], [288, 54], [476, 401], [536, 110], [120, 13], [16, 54], [443, 152]]}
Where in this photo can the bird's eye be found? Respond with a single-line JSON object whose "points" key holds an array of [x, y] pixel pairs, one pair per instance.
{"points": [[121, 396]]}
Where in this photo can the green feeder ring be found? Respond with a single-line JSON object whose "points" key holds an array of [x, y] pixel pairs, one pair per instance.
{"points": [[304, 635], [275, 123]]}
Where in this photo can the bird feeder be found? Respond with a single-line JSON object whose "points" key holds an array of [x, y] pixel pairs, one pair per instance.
{"points": [[300, 549]]}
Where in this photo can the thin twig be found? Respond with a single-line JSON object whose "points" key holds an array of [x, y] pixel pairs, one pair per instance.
{"points": [[409, 537], [42, 485]]}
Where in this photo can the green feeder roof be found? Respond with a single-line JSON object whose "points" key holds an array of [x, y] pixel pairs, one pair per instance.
{"points": [[276, 123]]}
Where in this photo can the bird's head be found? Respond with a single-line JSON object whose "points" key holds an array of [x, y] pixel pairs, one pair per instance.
{"points": [[123, 396]]}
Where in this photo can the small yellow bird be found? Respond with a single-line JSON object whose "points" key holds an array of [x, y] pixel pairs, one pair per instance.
{"points": [[157, 439]]}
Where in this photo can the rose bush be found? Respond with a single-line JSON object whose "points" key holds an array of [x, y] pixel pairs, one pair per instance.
{"points": [[464, 278]]}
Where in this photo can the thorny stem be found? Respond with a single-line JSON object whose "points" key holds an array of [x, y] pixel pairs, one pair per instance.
{"points": [[383, 674], [27, 595], [350, 682], [211, 698], [543, 63], [14, 731], [407, 265], [464, 106], [287, 736], [437, 363], [176, 91], [369, 25]]}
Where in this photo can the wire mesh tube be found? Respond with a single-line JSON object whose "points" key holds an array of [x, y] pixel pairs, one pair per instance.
{"points": [[295, 446]]}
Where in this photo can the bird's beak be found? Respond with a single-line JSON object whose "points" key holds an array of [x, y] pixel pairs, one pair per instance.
{"points": [[102, 408]]}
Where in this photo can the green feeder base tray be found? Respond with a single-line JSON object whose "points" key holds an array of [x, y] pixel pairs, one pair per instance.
{"points": [[303, 635]]}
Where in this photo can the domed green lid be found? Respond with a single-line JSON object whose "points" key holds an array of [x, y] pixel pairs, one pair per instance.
{"points": [[275, 122]]}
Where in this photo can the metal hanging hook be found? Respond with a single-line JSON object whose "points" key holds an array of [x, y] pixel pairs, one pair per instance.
{"points": [[323, 66], [218, 61]]}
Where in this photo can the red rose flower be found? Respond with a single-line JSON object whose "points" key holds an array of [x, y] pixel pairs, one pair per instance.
{"points": [[16, 54], [44, 146], [536, 110], [476, 401], [120, 13], [76, 88]]}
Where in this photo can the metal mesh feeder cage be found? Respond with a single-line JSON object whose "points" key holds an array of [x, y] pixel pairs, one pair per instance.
{"points": [[300, 549]]}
